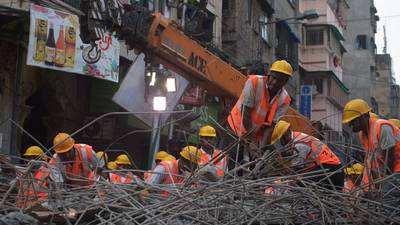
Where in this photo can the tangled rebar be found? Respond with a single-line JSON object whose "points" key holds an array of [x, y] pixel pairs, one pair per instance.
{"points": [[266, 191]]}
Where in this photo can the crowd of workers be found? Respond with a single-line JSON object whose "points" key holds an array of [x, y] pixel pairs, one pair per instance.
{"points": [[256, 118]]}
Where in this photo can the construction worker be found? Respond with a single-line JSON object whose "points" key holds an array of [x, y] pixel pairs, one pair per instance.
{"points": [[103, 158], [309, 154], [209, 154], [168, 158], [112, 165], [77, 162], [395, 122], [380, 140], [262, 103], [173, 172], [123, 163], [160, 155], [353, 177], [34, 190], [35, 153]]}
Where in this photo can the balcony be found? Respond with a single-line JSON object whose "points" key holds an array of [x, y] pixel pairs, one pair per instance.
{"points": [[326, 14], [320, 58]]}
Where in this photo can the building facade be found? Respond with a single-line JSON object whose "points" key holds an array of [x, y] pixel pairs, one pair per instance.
{"points": [[359, 61], [320, 60]]}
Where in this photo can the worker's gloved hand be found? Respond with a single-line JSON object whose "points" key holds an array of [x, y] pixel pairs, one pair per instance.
{"points": [[209, 173]]}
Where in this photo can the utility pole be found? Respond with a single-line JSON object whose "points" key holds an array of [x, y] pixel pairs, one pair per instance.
{"points": [[384, 40]]}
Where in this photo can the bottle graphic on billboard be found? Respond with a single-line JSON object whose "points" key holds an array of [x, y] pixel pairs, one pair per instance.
{"points": [[60, 48], [41, 34], [50, 47], [70, 39]]}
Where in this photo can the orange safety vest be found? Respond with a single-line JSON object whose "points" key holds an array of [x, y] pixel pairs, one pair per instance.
{"points": [[34, 193], [80, 168], [172, 171], [375, 158], [221, 164], [320, 152], [263, 113], [120, 179]]}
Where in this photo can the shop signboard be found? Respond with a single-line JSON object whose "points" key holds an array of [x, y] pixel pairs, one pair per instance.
{"points": [[306, 100], [54, 43]]}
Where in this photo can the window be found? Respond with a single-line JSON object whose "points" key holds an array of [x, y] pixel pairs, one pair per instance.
{"points": [[315, 36], [264, 27], [319, 85], [377, 75], [361, 41]]}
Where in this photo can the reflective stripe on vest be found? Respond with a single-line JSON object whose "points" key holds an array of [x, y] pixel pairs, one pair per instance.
{"points": [[320, 152], [374, 160], [220, 164], [263, 112]]}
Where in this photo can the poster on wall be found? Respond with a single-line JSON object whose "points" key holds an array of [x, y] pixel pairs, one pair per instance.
{"points": [[54, 43]]}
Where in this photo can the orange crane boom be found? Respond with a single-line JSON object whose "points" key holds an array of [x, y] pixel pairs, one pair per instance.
{"points": [[163, 42]]}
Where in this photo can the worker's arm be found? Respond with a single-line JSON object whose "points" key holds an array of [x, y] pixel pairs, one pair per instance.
{"points": [[247, 104], [388, 142], [156, 176], [95, 163]]}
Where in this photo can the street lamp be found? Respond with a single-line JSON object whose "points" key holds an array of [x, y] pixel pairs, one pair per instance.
{"points": [[309, 15], [159, 103], [159, 82]]}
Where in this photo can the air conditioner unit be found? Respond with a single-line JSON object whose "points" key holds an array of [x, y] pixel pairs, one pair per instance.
{"points": [[102, 129]]}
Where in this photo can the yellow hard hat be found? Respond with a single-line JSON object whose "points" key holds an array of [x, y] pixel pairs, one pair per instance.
{"points": [[354, 109], [63, 142], [123, 159], [357, 169], [168, 158], [102, 155], [34, 151], [396, 122], [373, 115], [112, 165], [161, 155], [191, 153], [207, 131], [280, 128], [282, 66]]}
